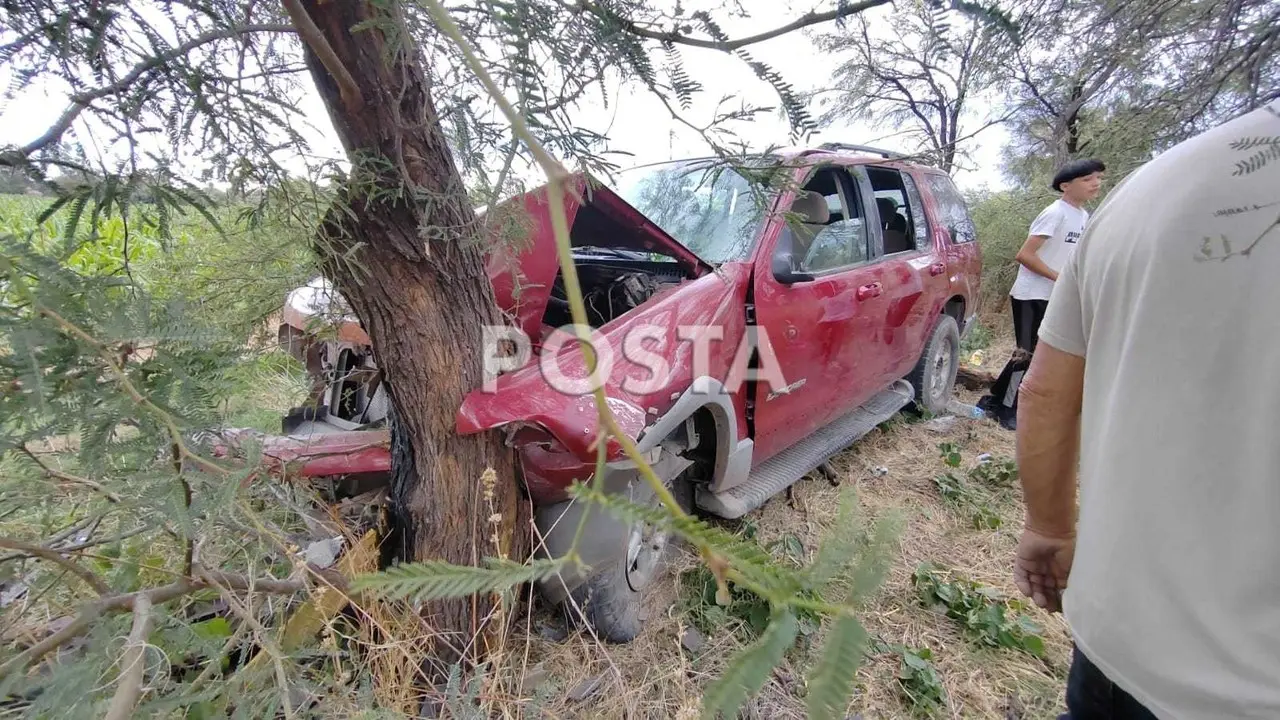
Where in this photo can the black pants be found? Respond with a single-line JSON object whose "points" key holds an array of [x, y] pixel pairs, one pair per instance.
{"points": [[1027, 316], [1092, 696]]}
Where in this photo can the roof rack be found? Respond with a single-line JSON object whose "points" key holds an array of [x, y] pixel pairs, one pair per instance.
{"points": [[861, 148]]}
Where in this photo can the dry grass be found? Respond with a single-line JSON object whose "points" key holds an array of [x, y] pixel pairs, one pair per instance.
{"points": [[656, 679]]}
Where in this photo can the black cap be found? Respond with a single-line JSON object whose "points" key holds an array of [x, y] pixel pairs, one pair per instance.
{"points": [[1075, 170]]}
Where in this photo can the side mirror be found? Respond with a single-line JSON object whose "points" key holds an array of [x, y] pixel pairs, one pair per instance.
{"points": [[783, 264]]}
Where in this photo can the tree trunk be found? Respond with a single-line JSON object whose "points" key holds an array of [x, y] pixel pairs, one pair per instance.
{"points": [[417, 281], [1067, 140]]}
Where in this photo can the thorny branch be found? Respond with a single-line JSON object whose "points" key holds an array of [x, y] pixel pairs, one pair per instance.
{"points": [[81, 101], [311, 35], [53, 556], [126, 602], [171, 425], [134, 664], [264, 638], [68, 478], [806, 20]]}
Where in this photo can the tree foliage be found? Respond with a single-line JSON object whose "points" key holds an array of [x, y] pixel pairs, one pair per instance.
{"points": [[1124, 80], [921, 73], [1119, 80]]}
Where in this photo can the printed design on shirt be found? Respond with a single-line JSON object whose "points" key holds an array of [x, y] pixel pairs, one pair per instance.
{"points": [[1262, 150], [1073, 237]]}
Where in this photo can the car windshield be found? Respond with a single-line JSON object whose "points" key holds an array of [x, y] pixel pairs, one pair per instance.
{"points": [[706, 206]]}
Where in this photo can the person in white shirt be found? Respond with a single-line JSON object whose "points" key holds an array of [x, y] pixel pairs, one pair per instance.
{"points": [[1157, 383], [1049, 245]]}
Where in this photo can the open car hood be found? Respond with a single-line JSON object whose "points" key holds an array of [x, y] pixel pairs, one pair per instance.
{"points": [[522, 262], [521, 259]]}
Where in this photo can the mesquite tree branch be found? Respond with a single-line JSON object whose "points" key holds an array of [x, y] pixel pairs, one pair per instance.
{"points": [[126, 602], [53, 556], [134, 664], [81, 101], [804, 21]]}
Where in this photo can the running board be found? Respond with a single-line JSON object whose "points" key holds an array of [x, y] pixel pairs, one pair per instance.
{"points": [[784, 469]]}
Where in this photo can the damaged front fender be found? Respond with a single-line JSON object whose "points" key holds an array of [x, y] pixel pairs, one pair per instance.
{"points": [[651, 356]]}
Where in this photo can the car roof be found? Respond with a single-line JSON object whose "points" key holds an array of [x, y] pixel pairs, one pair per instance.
{"points": [[857, 153], [798, 156]]}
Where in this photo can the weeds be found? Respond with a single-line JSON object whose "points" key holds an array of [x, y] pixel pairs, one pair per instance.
{"points": [[983, 612], [1000, 473], [919, 681], [745, 612], [977, 490], [978, 338]]}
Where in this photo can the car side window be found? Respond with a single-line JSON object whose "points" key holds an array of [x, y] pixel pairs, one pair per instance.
{"points": [[919, 223], [833, 232], [953, 212], [902, 223]]}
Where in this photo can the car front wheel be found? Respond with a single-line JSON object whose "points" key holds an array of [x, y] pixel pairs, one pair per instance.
{"points": [[934, 377], [612, 600]]}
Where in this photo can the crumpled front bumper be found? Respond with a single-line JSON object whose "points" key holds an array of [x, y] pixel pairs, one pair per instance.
{"points": [[312, 450]]}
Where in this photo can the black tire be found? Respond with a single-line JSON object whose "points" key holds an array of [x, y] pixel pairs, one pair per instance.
{"points": [[608, 600], [934, 377]]}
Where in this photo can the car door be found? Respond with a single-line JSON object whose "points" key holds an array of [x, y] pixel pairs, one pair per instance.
{"points": [[956, 237], [913, 271], [821, 328]]}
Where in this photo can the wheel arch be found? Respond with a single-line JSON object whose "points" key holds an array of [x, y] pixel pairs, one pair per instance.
{"points": [[710, 408], [956, 307], [705, 407]]}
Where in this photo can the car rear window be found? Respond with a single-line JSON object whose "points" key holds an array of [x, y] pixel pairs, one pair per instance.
{"points": [[953, 212]]}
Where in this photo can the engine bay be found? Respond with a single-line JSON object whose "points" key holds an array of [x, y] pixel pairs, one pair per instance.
{"points": [[611, 287]]}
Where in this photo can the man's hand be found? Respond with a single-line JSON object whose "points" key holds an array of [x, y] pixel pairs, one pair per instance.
{"points": [[1042, 566]]}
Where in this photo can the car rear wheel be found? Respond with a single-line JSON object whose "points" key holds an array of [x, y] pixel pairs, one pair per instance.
{"points": [[934, 377], [612, 600]]}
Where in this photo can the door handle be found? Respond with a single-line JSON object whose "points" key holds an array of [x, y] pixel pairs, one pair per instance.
{"points": [[937, 268], [869, 291]]}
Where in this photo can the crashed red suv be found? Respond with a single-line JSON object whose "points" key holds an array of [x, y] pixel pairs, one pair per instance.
{"points": [[754, 330]]}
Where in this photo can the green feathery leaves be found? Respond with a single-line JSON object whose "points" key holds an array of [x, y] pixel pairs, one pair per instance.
{"points": [[749, 669], [744, 556], [437, 580], [831, 682]]}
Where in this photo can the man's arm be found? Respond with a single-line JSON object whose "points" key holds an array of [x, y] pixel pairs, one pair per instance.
{"points": [[1049, 402], [1027, 256]]}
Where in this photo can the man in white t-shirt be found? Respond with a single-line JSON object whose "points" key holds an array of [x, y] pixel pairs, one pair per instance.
{"points": [[1048, 246], [1157, 379]]}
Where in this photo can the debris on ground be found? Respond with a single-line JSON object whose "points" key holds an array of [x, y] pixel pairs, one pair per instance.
{"points": [[323, 553], [965, 410], [533, 678], [693, 641], [971, 378], [944, 424], [591, 686]]}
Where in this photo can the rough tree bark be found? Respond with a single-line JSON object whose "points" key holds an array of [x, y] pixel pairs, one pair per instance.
{"points": [[419, 286]]}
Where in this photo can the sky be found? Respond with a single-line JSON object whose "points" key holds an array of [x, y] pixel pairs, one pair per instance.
{"points": [[635, 121], [639, 123]]}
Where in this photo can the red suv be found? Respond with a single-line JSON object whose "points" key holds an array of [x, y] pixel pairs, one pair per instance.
{"points": [[755, 329]]}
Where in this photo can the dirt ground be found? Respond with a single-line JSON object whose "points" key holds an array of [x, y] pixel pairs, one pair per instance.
{"points": [[891, 470]]}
